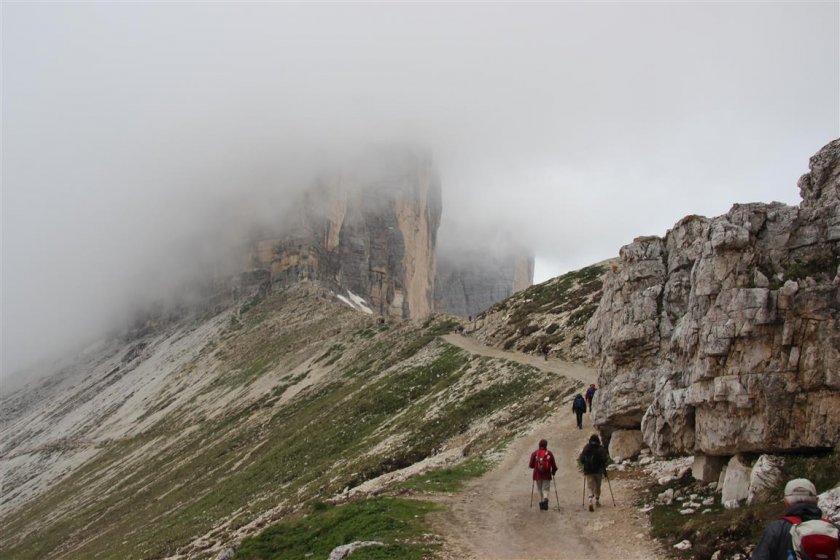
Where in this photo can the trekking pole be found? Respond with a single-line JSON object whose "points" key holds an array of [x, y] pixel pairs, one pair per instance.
{"points": [[532, 494], [610, 487], [583, 495], [556, 497]]}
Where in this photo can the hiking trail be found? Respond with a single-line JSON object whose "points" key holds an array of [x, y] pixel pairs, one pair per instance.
{"points": [[490, 518]]}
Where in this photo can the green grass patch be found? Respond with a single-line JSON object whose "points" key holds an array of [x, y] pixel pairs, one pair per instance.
{"points": [[399, 524], [564, 293], [825, 265], [448, 480]]}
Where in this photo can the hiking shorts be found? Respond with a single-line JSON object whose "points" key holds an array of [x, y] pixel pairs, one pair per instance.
{"points": [[593, 483], [543, 486]]}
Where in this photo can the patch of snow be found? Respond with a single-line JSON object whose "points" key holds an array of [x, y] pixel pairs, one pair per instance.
{"points": [[355, 302], [360, 303], [345, 300]]}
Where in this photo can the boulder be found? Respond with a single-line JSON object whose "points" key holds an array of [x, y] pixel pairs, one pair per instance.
{"points": [[736, 483], [625, 444], [829, 503], [345, 550], [666, 497], [765, 476], [707, 468]]}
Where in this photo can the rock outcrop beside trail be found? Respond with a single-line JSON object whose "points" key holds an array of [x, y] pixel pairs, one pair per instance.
{"points": [[724, 336]]}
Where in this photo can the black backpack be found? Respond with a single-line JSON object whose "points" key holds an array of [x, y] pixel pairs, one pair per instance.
{"points": [[580, 404], [592, 461]]}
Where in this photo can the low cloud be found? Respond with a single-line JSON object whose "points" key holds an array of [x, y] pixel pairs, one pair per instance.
{"points": [[140, 140]]}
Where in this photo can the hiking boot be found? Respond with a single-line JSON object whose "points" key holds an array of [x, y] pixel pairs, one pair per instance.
{"points": [[544, 505], [591, 508], [597, 502]]}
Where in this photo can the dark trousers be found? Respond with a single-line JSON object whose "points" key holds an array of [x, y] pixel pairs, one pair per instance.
{"points": [[579, 414]]}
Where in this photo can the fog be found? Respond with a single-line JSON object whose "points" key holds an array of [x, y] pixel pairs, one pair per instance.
{"points": [[137, 136]]}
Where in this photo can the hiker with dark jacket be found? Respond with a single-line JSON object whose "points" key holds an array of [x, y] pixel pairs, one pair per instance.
{"points": [[594, 459], [579, 408], [800, 505], [590, 394], [544, 467]]}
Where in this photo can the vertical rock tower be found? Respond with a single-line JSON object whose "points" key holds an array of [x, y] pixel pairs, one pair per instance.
{"points": [[370, 229], [470, 281]]}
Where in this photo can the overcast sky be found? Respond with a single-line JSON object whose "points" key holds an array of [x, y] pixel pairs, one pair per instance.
{"points": [[129, 128]]}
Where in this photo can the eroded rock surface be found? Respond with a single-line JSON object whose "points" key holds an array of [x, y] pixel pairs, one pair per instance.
{"points": [[724, 336], [470, 281], [371, 230]]}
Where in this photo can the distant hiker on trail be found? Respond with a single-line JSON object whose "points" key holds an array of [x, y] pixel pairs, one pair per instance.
{"points": [[544, 466], [594, 459], [590, 392], [579, 407], [545, 350], [801, 529]]}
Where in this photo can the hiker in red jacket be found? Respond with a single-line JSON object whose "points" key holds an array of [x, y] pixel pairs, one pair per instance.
{"points": [[542, 462]]}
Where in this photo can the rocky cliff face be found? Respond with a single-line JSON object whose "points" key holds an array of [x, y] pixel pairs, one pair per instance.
{"points": [[724, 336], [468, 282], [371, 231]]}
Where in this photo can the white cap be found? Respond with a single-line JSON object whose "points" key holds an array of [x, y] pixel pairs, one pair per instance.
{"points": [[800, 487]]}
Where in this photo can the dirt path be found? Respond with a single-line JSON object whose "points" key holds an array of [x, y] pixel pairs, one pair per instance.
{"points": [[491, 518]]}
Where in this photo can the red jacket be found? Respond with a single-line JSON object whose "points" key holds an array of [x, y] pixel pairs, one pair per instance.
{"points": [[532, 464]]}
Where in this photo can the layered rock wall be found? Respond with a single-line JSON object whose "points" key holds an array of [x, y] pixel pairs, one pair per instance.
{"points": [[371, 231], [469, 282], [724, 336]]}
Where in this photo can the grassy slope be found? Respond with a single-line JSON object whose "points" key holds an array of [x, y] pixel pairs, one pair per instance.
{"points": [[554, 313], [151, 495]]}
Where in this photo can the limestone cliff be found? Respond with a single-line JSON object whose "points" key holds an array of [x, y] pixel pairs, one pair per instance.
{"points": [[469, 281], [371, 230], [724, 336]]}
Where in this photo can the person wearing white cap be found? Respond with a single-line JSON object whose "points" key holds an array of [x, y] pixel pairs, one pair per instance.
{"points": [[800, 505]]}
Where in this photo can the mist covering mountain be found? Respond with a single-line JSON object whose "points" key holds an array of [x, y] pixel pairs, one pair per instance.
{"points": [[141, 140], [182, 437], [234, 238]]}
